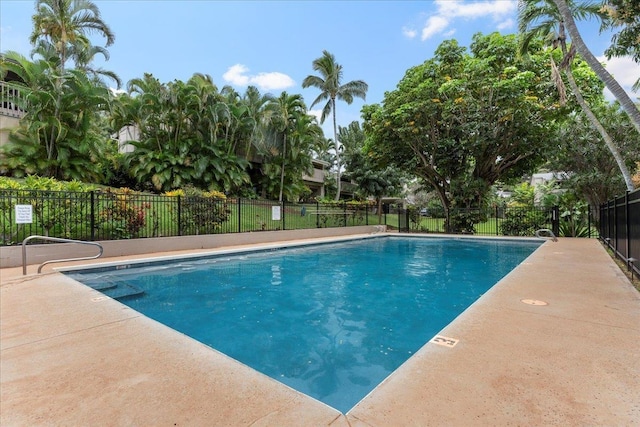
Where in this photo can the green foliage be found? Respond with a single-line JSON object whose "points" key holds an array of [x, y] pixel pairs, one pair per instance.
{"points": [[594, 175], [123, 218], [52, 210], [285, 140], [329, 82], [202, 212], [523, 221], [370, 178], [460, 122], [187, 133], [60, 134], [625, 16], [524, 195]]}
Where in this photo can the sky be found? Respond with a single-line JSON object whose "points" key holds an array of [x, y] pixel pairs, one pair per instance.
{"points": [[272, 44]]}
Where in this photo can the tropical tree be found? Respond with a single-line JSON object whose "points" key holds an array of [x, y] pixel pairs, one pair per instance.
{"points": [[611, 83], [324, 150], [287, 137], [184, 135], [593, 174], [63, 146], [284, 112], [371, 180], [541, 19], [65, 26], [461, 122], [329, 81], [625, 14], [255, 104]]}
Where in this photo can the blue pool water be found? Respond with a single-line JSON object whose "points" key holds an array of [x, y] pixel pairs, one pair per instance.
{"points": [[330, 320]]}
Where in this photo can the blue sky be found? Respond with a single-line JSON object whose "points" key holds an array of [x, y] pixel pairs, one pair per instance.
{"points": [[271, 44]]}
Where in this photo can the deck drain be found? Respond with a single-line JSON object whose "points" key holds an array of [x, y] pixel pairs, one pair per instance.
{"points": [[445, 341], [533, 302]]}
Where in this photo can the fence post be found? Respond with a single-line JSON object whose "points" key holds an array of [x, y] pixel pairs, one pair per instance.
{"points": [[555, 220], [284, 225], [589, 221], [317, 214], [495, 213], [615, 224], [627, 226], [179, 215], [92, 215], [344, 208], [238, 208]]}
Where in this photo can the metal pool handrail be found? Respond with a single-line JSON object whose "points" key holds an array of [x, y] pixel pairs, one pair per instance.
{"points": [[56, 239], [549, 235]]}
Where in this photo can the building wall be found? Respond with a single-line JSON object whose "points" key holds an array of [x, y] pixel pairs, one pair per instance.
{"points": [[11, 256], [6, 125]]}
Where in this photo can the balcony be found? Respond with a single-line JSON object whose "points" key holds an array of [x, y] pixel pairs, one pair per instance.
{"points": [[10, 100]]}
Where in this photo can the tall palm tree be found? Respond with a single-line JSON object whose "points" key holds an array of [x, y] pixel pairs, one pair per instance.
{"points": [[611, 83], [329, 81], [66, 26], [283, 113], [542, 18], [256, 105]]}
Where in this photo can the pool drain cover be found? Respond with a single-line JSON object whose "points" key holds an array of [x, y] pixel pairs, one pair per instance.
{"points": [[533, 302]]}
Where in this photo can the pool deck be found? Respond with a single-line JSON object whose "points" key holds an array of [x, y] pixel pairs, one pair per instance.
{"points": [[70, 356]]}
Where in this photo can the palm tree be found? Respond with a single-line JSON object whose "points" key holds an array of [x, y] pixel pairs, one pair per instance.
{"points": [[283, 112], [611, 83], [65, 25], [329, 81], [541, 18], [256, 105], [64, 146]]}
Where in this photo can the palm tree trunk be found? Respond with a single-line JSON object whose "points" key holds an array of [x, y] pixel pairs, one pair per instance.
{"points": [[598, 126], [596, 66], [335, 138]]}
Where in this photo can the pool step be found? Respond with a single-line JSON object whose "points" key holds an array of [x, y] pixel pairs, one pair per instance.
{"points": [[116, 290]]}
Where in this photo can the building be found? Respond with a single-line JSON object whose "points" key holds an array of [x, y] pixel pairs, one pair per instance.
{"points": [[10, 111]]}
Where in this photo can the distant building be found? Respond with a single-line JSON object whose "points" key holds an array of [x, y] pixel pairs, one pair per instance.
{"points": [[10, 112], [545, 177], [538, 179], [315, 181]]}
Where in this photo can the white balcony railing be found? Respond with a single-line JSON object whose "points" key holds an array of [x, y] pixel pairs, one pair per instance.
{"points": [[10, 101]]}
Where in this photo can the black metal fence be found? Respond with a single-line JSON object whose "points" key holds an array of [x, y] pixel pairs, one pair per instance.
{"points": [[620, 228], [114, 215], [496, 220], [106, 215]]}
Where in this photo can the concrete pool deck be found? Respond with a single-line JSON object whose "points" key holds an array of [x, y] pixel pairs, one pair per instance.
{"points": [[69, 356]]}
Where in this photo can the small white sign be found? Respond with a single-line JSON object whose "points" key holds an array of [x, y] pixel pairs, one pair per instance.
{"points": [[24, 214], [275, 213]]}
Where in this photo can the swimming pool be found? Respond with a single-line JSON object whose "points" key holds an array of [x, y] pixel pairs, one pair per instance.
{"points": [[330, 320]]}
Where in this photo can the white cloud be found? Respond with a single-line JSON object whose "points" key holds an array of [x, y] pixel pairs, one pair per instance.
{"points": [[500, 11], [625, 71], [506, 24], [273, 80], [235, 75], [316, 113], [238, 75], [434, 25], [497, 9], [409, 32]]}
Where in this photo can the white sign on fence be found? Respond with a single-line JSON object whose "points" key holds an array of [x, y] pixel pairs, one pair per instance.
{"points": [[275, 213], [24, 214]]}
